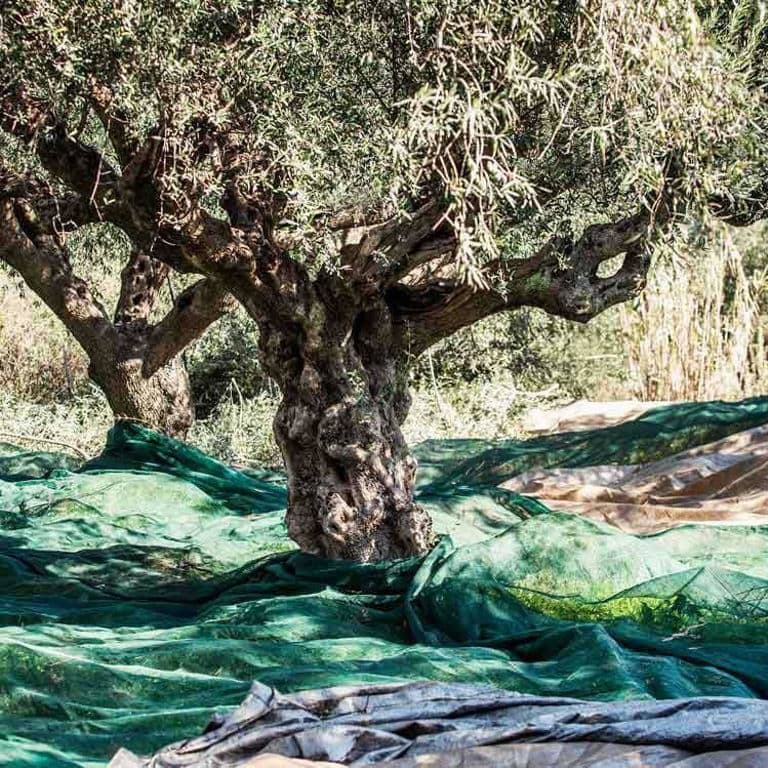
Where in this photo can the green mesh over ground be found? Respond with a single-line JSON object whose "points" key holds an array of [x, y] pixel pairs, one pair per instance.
{"points": [[148, 589], [656, 434]]}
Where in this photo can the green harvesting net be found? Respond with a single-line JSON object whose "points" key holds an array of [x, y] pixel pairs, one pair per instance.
{"points": [[153, 585]]}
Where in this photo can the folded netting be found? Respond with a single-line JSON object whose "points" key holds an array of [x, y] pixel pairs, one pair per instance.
{"points": [[19, 464], [153, 586]]}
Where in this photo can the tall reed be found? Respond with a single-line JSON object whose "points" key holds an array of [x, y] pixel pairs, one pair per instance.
{"points": [[697, 331]]}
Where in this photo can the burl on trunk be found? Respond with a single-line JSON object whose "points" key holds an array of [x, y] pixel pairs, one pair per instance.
{"points": [[350, 476]]}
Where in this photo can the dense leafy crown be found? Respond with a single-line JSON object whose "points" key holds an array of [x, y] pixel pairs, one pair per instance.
{"points": [[522, 118]]}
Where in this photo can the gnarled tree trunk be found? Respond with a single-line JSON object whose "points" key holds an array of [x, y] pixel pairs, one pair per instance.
{"points": [[350, 475], [160, 399]]}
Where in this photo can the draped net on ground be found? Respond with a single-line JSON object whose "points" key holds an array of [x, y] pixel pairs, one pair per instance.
{"points": [[152, 586]]}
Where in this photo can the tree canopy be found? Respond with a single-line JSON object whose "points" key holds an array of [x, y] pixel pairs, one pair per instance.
{"points": [[541, 113]]}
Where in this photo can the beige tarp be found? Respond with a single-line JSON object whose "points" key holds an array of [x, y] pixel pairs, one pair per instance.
{"points": [[584, 414], [724, 483]]}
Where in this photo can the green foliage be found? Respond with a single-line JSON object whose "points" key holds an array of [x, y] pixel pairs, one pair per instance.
{"points": [[743, 26], [533, 355], [224, 363], [499, 106]]}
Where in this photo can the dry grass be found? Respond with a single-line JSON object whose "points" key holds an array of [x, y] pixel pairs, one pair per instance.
{"points": [[487, 409], [40, 360], [697, 333], [80, 423], [239, 431]]}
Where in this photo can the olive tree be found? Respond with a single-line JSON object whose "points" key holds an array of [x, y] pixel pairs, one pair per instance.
{"points": [[133, 360], [366, 177]]}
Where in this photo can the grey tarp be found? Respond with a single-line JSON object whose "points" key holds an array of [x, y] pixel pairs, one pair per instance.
{"points": [[421, 723]]}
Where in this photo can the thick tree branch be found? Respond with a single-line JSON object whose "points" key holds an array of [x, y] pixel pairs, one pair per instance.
{"points": [[384, 252], [562, 278], [57, 213], [115, 122], [132, 201], [157, 204], [250, 179], [38, 257], [82, 168], [140, 281], [194, 310]]}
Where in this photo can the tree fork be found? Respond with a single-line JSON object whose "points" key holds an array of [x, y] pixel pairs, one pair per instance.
{"points": [[133, 361], [162, 400]]}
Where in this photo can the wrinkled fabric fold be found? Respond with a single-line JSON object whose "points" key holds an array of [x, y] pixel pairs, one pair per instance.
{"points": [[399, 725]]}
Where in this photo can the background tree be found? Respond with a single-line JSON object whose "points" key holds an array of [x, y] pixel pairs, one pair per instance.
{"points": [[368, 178], [134, 361]]}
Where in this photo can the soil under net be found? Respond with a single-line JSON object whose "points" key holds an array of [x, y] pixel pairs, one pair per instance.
{"points": [[149, 588]]}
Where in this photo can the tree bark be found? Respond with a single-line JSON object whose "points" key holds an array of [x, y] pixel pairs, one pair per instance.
{"points": [[132, 360], [161, 400], [350, 474]]}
